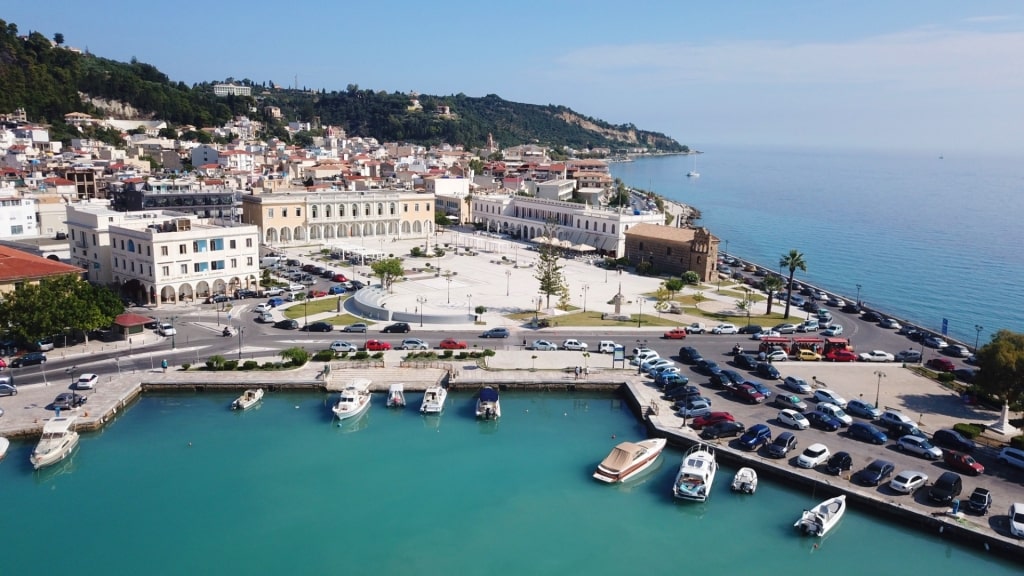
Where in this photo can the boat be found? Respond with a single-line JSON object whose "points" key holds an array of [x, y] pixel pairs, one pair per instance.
{"points": [[58, 440], [4, 445], [353, 400], [487, 405], [820, 519], [433, 400], [248, 399], [693, 173], [396, 396], [696, 474], [745, 481], [629, 459]]}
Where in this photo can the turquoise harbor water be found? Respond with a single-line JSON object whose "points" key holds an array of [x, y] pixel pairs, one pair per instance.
{"points": [[281, 489], [927, 238]]}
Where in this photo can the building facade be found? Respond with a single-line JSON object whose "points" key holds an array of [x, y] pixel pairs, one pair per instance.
{"points": [[181, 195], [19, 268], [673, 251]]}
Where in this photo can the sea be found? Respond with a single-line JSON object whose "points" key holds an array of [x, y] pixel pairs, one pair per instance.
{"points": [[179, 484], [931, 238]]}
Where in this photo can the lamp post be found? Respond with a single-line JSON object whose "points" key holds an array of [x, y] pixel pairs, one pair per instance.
{"points": [[421, 300], [305, 312], [448, 278], [640, 344], [977, 336], [586, 288], [173, 332], [858, 294], [469, 303], [726, 248], [71, 372], [641, 315], [240, 330], [508, 281], [878, 387]]}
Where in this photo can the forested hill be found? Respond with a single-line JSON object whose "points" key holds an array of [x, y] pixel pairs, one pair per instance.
{"points": [[49, 81]]}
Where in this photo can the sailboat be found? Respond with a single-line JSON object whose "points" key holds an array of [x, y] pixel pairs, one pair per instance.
{"points": [[693, 173]]}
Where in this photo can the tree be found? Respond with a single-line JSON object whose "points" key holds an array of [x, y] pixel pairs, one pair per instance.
{"points": [[698, 297], [54, 305], [1001, 364], [58, 39], [772, 284], [673, 285], [295, 356], [549, 271], [388, 269], [793, 261], [691, 277], [564, 297]]}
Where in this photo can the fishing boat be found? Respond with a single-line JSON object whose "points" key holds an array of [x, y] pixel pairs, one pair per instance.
{"points": [[745, 481], [819, 520], [433, 400], [487, 405], [629, 459], [248, 399], [57, 442], [353, 400], [396, 396], [696, 474]]}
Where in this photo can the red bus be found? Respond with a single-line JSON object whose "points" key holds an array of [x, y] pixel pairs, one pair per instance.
{"points": [[837, 344]]}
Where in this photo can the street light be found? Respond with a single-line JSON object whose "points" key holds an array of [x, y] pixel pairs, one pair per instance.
{"points": [[71, 372], [421, 300], [448, 278], [240, 330], [173, 332], [305, 312], [638, 348], [641, 316], [469, 303], [858, 294], [586, 288], [508, 281], [977, 336], [878, 387], [726, 248]]}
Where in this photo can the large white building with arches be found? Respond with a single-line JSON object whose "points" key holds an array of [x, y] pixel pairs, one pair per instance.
{"points": [[301, 217]]}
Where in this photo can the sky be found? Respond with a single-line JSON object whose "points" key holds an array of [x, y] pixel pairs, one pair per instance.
{"points": [[931, 75]]}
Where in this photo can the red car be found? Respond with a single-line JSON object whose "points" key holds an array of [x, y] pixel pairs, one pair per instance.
{"points": [[712, 418], [377, 346], [841, 356], [941, 364], [675, 334], [748, 393], [316, 294], [962, 462], [340, 278], [452, 344]]}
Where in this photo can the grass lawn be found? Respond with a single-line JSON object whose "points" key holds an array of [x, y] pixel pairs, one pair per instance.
{"points": [[316, 306], [343, 320], [595, 319]]}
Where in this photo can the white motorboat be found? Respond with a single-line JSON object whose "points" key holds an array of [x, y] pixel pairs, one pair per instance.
{"points": [[4, 445], [819, 520], [433, 400], [629, 459], [745, 481], [693, 173], [248, 399], [396, 396], [57, 442], [487, 405], [353, 400], [696, 474]]}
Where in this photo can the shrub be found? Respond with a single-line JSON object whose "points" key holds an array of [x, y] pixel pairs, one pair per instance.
{"points": [[378, 355], [215, 362], [186, 366], [945, 377], [481, 309], [488, 352], [361, 355], [969, 430], [250, 365], [230, 365], [323, 356], [1017, 442], [462, 355], [446, 354]]}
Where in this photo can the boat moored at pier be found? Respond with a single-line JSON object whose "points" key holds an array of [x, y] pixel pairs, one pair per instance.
{"points": [[696, 474], [396, 395], [433, 400], [57, 442], [628, 459], [488, 407], [353, 400]]}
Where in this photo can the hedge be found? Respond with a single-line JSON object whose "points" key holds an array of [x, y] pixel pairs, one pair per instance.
{"points": [[969, 430]]}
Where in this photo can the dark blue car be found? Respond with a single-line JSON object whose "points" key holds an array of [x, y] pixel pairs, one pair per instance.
{"points": [[874, 474], [707, 367], [823, 421], [766, 370], [764, 390], [866, 433], [666, 379], [755, 437]]}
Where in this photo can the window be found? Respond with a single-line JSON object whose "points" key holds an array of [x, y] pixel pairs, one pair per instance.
{"points": [[270, 212], [201, 266], [234, 262], [298, 211], [182, 249], [284, 212], [327, 211], [217, 265], [93, 239], [165, 270], [233, 244], [17, 229], [199, 246], [405, 207], [248, 261], [417, 207], [122, 244], [248, 242], [668, 250], [147, 250], [184, 268], [313, 211], [640, 246], [217, 244], [380, 209], [341, 211]]}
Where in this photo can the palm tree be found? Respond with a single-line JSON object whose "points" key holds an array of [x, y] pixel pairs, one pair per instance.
{"points": [[772, 284], [793, 261]]}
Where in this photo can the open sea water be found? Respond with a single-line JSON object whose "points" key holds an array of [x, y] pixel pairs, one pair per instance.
{"points": [[927, 238], [181, 485]]}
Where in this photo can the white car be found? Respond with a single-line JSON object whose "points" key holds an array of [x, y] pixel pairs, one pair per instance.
{"points": [[544, 345], [908, 356], [957, 350], [777, 356], [835, 412], [890, 323], [908, 481], [798, 385], [340, 346], [166, 329], [572, 344], [813, 456], [765, 334], [296, 288], [261, 308], [1016, 515], [86, 382], [607, 346], [793, 419], [785, 328], [833, 330], [644, 357], [829, 396], [413, 344], [655, 363], [273, 291], [876, 356], [725, 329], [919, 446]]}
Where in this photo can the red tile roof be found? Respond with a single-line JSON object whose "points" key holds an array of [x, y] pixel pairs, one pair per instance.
{"points": [[16, 266], [128, 320]]}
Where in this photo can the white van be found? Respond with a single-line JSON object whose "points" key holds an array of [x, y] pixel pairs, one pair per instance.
{"points": [[644, 356], [607, 347]]}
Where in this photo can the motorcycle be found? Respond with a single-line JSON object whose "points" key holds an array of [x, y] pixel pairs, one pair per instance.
{"points": [[226, 332]]}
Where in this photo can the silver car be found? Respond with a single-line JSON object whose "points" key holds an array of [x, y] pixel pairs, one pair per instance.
{"points": [[413, 344], [919, 446], [544, 345], [339, 346], [908, 481], [798, 385]]}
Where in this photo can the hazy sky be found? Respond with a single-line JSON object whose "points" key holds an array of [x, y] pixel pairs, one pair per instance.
{"points": [[933, 75]]}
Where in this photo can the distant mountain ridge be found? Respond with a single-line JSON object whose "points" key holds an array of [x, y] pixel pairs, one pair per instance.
{"points": [[49, 81]]}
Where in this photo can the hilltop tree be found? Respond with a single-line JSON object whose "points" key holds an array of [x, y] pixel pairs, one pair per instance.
{"points": [[793, 261], [58, 39], [772, 284], [1001, 364]]}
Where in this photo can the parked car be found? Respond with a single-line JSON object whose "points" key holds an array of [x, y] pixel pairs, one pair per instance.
{"points": [[833, 330], [890, 418], [835, 412], [413, 344], [543, 345], [287, 324], [496, 333], [841, 355], [980, 501], [68, 400], [1010, 456], [726, 429], [689, 355], [793, 419], [790, 401], [807, 355], [710, 419], [965, 375], [810, 325], [275, 302], [44, 345], [1016, 518], [745, 361], [777, 356], [830, 396], [8, 389], [782, 445], [397, 327], [707, 367], [839, 463], [261, 308], [319, 327], [766, 370], [941, 364], [575, 345], [909, 355], [748, 393], [823, 421], [757, 436], [890, 324], [798, 385], [935, 342], [876, 356], [30, 359], [785, 328], [867, 433], [340, 346], [871, 316], [694, 407], [725, 329], [86, 381], [918, 446], [962, 462], [336, 290], [947, 487], [682, 393], [850, 308], [357, 327], [655, 363], [949, 438], [751, 329], [908, 481], [765, 333], [696, 328], [670, 379], [874, 473], [813, 456], [166, 329], [957, 350]]}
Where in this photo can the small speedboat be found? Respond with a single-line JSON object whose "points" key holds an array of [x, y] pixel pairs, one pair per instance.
{"points": [[433, 400], [56, 443], [819, 520], [696, 474], [4, 445], [248, 399], [487, 405], [745, 481], [396, 396], [353, 400], [629, 459]]}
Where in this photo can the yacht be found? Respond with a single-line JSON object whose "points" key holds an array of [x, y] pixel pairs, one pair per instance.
{"points": [[487, 405], [57, 442], [396, 396], [819, 520], [248, 399], [433, 400], [696, 474], [353, 400], [629, 459]]}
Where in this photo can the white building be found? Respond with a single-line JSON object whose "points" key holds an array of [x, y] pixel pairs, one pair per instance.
{"points": [[160, 256], [231, 90], [17, 216]]}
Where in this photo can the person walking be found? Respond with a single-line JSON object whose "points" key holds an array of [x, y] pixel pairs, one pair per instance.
{"points": [[163, 364]]}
